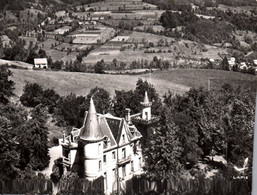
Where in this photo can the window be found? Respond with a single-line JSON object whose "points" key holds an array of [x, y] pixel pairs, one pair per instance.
{"points": [[124, 171], [104, 158], [123, 152], [100, 165], [146, 115], [140, 163], [99, 148], [132, 166], [113, 155], [113, 173], [66, 153], [123, 138]]}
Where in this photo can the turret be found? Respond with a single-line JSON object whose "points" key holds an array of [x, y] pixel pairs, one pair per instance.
{"points": [[146, 110], [91, 139]]}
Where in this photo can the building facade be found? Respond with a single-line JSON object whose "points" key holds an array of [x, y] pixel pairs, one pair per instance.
{"points": [[40, 63], [105, 146]]}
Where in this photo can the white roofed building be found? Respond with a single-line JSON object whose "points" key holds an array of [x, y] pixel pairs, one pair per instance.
{"points": [[40, 63]]}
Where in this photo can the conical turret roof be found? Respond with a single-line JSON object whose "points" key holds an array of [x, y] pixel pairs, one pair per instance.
{"points": [[91, 129], [146, 101]]}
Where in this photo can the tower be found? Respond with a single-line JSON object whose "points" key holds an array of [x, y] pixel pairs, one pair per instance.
{"points": [[91, 144], [146, 110], [145, 121]]}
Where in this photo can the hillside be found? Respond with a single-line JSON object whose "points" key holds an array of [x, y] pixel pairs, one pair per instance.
{"points": [[177, 80], [21, 4], [200, 77], [81, 83]]}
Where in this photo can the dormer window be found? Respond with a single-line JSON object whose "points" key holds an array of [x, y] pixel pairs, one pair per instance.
{"points": [[123, 152], [106, 140]]}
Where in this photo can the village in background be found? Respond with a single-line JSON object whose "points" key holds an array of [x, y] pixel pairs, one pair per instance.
{"points": [[127, 97]]}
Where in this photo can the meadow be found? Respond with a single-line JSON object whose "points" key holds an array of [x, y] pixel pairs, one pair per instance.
{"points": [[199, 77], [177, 80]]}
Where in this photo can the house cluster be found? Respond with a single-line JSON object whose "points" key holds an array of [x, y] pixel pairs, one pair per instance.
{"points": [[106, 146], [243, 65]]}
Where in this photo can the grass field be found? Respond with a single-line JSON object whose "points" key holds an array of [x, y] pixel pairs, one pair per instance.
{"points": [[199, 77], [81, 83], [178, 80]]}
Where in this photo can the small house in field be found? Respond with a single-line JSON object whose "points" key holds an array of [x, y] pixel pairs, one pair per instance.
{"points": [[40, 63]]}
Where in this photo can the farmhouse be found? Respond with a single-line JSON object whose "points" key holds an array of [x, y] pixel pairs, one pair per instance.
{"points": [[106, 146], [40, 63], [120, 38], [62, 30]]}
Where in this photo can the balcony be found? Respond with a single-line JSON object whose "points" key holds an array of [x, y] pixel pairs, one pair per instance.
{"points": [[124, 160], [66, 161]]}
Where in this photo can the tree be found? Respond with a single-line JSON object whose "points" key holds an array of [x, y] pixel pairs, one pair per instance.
{"points": [[99, 67], [238, 122], [122, 100], [224, 64], [9, 150], [12, 118], [101, 98], [50, 99], [42, 53], [57, 65], [32, 95], [131, 99], [190, 113], [32, 55], [33, 139], [6, 85], [70, 110], [163, 151]]}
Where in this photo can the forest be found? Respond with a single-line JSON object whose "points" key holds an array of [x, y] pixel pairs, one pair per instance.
{"points": [[206, 30]]}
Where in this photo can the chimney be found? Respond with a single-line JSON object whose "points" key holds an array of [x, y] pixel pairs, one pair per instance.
{"points": [[127, 117]]}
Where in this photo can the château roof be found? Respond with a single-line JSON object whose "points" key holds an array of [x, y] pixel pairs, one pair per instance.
{"points": [[116, 124], [91, 130], [107, 128]]}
